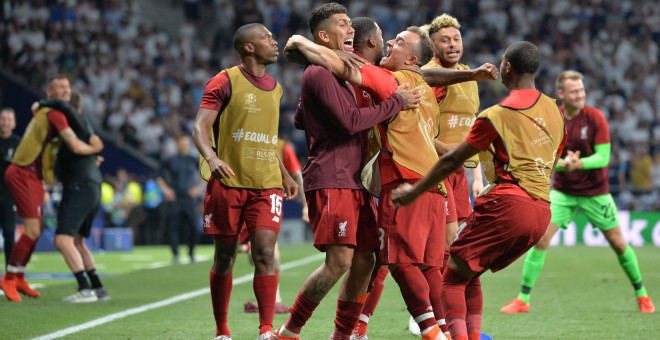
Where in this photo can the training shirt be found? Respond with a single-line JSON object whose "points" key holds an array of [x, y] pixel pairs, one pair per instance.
{"points": [[78, 169], [588, 129], [333, 123], [7, 148]]}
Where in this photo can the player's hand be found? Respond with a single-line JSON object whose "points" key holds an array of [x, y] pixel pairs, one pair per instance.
{"points": [[96, 143], [305, 214], [403, 195], [477, 186], [99, 160], [411, 98], [220, 169], [292, 53], [351, 60], [486, 71], [290, 187], [573, 161]]}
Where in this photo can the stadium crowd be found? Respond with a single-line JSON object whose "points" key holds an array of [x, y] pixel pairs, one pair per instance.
{"points": [[143, 84]]}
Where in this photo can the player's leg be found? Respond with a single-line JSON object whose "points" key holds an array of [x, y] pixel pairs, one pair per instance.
{"points": [[335, 229], [375, 291], [8, 225], [173, 221], [602, 212], [353, 293], [190, 220], [562, 206], [279, 306], [223, 208]]}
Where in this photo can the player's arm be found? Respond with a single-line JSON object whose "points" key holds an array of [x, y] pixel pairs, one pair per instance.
{"points": [[449, 163], [203, 124], [346, 69], [290, 186], [598, 160], [478, 182], [439, 76], [79, 147]]}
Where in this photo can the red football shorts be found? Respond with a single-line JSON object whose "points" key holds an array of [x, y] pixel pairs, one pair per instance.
{"points": [[227, 209], [26, 190], [414, 233], [343, 217], [461, 193], [450, 205], [501, 229]]}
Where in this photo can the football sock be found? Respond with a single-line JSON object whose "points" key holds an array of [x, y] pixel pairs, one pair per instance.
{"points": [[434, 278], [474, 302], [453, 298], [531, 270], [377, 285], [347, 316], [628, 261], [415, 292], [301, 311], [94, 279], [220, 292], [265, 288], [82, 281], [20, 256]]}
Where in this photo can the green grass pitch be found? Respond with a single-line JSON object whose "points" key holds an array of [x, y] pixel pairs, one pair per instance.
{"points": [[581, 294]]}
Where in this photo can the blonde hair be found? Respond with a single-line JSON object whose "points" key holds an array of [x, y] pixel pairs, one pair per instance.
{"points": [[443, 21], [568, 74]]}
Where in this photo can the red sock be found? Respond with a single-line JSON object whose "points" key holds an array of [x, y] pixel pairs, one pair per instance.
{"points": [[415, 292], [474, 302], [434, 278], [376, 290], [301, 311], [265, 288], [220, 292], [453, 298], [347, 316], [20, 256]]}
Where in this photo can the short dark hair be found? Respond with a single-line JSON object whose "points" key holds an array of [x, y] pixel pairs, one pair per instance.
{"points": [[364, 27], [57, 77], [242, 36], [322, 13], [424, 49], [524, 57]]}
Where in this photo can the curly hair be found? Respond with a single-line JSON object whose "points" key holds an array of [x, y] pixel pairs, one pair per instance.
{"points": [[443, 21]]}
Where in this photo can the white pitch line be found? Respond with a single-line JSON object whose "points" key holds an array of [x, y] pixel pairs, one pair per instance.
{"points": [[166, 302]]}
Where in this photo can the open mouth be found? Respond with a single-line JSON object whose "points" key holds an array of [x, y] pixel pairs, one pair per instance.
{"points": [[453, 54], [348, 44]]}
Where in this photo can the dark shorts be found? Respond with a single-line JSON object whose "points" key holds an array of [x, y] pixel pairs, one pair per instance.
{"points": [[26, 189], [343, 217], [500, 230], [227, 209], [76, 212]]}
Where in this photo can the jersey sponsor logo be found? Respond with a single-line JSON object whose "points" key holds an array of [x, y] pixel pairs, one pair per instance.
{"points": [[207, 221], [342, 229], [260, 154], [583, 132], [454, 121], [251, 136]]}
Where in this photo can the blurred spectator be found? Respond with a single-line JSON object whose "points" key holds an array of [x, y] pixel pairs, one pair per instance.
{"points": [[136, 71]]}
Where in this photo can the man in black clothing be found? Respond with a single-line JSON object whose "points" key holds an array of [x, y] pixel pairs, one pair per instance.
{"points": [[8, 143], [179, 179], [81, 195]]}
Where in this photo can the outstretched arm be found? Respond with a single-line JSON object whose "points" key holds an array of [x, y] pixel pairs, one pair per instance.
{"points": [[323, 56], [439, 76]]}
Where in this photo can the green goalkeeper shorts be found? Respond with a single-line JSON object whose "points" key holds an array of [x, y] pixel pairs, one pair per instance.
{"points": [[600, 210]]}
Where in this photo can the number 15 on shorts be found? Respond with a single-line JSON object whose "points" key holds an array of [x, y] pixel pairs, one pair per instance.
{"points": [[276, 206]]}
